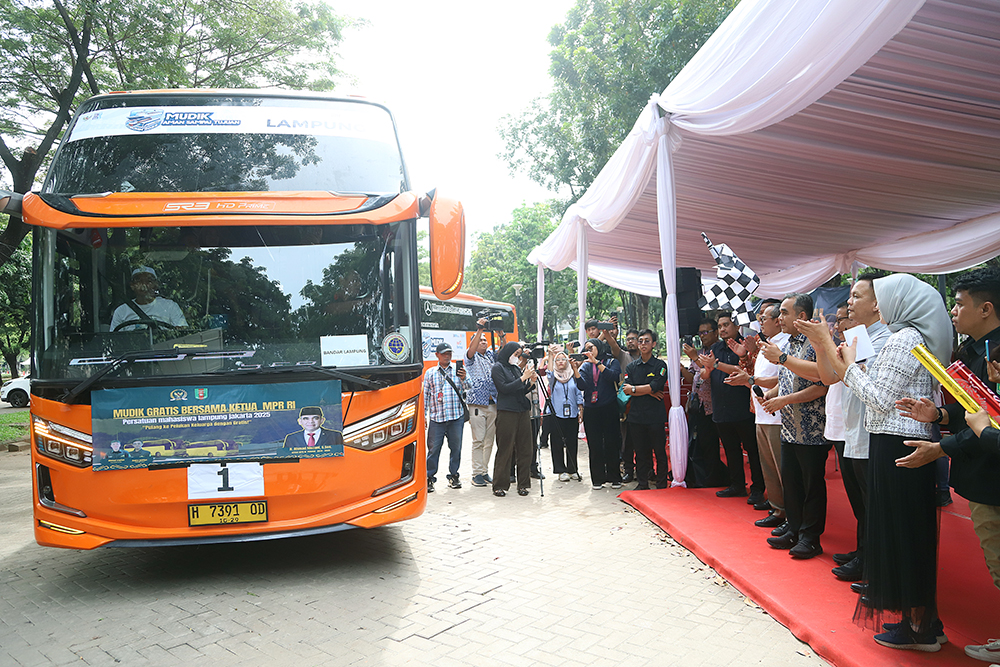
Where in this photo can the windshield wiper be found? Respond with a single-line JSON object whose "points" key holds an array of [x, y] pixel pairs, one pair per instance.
{"points": [[326, 370], [142, 357]]}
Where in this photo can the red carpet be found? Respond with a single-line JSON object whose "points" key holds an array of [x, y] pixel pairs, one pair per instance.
{"points": [[805, 597]]}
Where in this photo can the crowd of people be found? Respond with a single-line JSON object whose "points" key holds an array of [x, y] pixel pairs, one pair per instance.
{"points": [[779, 400]]}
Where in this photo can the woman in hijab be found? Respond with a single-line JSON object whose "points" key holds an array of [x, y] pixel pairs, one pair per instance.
{"points": [[902, 533], [597, 378], [565, 402], [513, 426]]}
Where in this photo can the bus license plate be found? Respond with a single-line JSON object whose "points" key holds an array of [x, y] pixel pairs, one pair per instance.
{"points": [[215, 514]]}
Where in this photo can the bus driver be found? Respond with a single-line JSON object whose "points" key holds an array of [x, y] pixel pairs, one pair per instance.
{"points": [[147, 305]]}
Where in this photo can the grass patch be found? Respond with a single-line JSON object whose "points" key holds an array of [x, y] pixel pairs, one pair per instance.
{"points": [[14, 426]]}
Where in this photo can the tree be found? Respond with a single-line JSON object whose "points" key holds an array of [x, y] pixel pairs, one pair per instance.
{"points": [[56, 53], [608, 57], [15, 305], [500, 261]]}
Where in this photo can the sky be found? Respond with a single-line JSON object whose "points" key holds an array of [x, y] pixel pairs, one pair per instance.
{"points": [[449, 70]]}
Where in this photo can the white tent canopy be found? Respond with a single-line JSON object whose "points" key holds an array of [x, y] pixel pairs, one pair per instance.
{"points": [[808, 135]]}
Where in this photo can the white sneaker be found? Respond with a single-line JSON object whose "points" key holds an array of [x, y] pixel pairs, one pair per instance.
{"points": [[575, 476], [564, 477], [989, 652], [598, 487]]}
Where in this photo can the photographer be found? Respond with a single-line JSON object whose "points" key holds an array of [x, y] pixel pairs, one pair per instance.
{"points": [[597, 378], [513, 381], [482, 401]]}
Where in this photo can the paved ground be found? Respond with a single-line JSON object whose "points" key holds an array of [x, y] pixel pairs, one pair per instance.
{"points": [[574, 578]]}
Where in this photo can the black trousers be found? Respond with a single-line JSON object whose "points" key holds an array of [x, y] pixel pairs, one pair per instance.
{"points": [[563, 443], [854, 472], [628, 450], [650, 440], [604, 442], [803, 477], [513, 441], [705, 466], [735, 435]]}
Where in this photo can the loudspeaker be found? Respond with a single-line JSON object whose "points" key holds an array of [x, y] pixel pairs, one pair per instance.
{"points": [[689, 315]]}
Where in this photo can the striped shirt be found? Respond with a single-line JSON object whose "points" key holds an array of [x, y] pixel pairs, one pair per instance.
{"points": [[441, 402]]}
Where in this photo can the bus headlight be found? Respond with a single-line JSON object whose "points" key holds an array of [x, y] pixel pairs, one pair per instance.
{"points": [[383, 428], [63, 443]]}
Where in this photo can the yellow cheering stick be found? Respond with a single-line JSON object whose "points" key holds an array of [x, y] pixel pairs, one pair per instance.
{"points": [[931, 363]]}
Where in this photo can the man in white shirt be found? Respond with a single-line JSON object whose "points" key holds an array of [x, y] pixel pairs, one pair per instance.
{"points": [[765, 376], [147, 305]]}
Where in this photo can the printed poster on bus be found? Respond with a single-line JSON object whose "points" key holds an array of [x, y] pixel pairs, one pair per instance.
{"points": [[136, 427]]}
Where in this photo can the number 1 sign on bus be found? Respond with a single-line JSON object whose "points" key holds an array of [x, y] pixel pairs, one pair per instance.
{"points": [[227, 320]]}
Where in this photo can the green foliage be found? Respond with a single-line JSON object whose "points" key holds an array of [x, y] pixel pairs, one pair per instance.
{"points": [[13, 426], [15, 305], [500, 261], [56, 53], [608, 57]]}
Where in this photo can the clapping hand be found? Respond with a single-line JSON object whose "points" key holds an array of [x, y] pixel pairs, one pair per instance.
{"points": [[923, 410], [707, 361], [739, 348], [815, 330], [738, 378]]}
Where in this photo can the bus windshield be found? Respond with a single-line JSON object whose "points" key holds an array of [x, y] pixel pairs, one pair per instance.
{"points": [[223, 299], [235, 143]]}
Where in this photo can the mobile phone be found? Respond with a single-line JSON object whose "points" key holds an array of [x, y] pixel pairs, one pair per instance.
{"points": [[458, 365], [578, 357], [761, 337], [606, 326], [760, 392]]}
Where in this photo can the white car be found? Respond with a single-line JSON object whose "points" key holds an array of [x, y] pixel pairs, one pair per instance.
{"points": [[17, 392]]}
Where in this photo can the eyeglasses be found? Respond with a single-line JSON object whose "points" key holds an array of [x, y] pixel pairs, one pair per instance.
{"points": [[841, 319], [705, 333]]}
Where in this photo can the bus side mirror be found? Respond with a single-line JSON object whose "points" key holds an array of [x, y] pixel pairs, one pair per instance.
{"points": [[10, 203], [447, 240]]}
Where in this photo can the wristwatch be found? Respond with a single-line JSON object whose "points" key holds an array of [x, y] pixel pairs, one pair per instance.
{"points": [[783, 358], [751, 381]]}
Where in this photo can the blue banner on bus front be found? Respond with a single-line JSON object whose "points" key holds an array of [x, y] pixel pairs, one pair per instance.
{"points": [[135, 427]]}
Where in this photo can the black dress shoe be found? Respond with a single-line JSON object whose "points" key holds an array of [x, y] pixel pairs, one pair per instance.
{"points": [[762, 506], [786, 541], [756, 498], [850, 571], [769, 521], [859, 587], [806, 548], [843, 559], [731, 492], [780, 530], [628, 477]]}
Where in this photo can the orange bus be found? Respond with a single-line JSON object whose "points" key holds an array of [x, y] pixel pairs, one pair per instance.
{"points": [[454, 322], [234, 267]]}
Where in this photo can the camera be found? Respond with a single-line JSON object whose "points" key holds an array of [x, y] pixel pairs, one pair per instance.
{"points": [[494, 319]]}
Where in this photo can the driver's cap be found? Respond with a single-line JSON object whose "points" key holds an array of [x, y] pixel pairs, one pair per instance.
{"points": [[144, 269]]}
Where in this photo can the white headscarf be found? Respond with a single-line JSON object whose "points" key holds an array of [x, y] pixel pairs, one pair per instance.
{"points": [[905, 301]]}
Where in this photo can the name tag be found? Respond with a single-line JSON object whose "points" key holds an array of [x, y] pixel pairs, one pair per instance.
{"points": [[566, 411]]}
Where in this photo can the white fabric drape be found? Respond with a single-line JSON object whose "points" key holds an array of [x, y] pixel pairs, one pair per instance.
{"points": [[581, 278], [666, 211], [540, 298]]}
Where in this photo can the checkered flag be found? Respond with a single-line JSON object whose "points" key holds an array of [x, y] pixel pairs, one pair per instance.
{"points": [[737, 282]]}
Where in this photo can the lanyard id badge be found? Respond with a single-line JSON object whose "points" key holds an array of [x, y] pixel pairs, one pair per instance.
{"points": [[566, 411]]}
